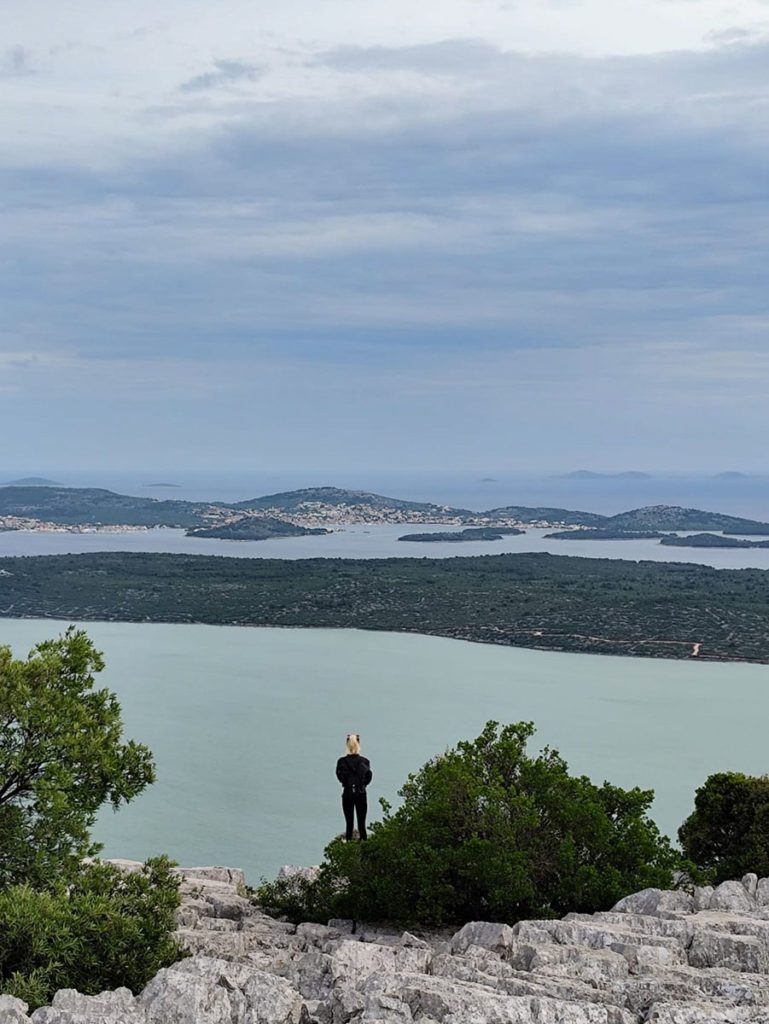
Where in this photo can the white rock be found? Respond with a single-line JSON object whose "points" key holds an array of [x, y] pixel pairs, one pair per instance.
{"points": [[70, 1007], [736, 952], [309, 874], [13, 1010], [701, 898], [732, 896], [750, 883], [762, 892], [655, 901], [494, 936]]}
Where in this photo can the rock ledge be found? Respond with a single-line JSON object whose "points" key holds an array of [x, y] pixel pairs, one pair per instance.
{"points": [[662, 957]]}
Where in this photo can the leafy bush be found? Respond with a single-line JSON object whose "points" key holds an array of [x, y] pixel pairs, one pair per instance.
{"points": [[106, 929], [64, 924], [487, 832], [727, 835], [61, 758]]}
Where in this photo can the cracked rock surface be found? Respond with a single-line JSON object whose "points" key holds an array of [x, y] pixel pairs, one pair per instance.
{"points": [[662, 957]]}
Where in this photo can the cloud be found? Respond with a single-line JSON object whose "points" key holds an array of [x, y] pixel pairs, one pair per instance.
{"points": [[739, 35], [227, 72], [410, 232]]}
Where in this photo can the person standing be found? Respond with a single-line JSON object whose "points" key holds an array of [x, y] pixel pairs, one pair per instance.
{"points": [[354, 772]]}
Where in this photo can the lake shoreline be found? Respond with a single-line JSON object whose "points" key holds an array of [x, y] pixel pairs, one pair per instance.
{"points": [[612, 648]]}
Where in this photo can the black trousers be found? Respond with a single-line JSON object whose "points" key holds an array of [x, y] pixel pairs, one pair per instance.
{"points": [[355, 804]]}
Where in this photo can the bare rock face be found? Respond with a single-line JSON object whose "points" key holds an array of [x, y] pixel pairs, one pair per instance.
{"points": [[662, 957]]}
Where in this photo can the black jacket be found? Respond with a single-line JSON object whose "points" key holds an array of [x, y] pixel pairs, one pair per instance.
{"points": [[354, 772]]}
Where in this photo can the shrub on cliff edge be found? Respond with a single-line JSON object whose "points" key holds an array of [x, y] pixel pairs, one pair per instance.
{"points": [[727, 834], [488, 832], [106, 929]]}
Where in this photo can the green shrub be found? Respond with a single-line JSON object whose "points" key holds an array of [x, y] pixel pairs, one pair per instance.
{"points": [[487, 832], [727, 835], [106, 929], [62, 756]]}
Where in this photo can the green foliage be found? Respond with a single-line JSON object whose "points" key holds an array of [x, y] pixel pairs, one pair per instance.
{"points": [[727, 835], [61, 758], [488, 832], [530, 599], [107, 928]]}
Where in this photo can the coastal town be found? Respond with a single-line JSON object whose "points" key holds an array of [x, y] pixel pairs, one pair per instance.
{"points": [[306, 514], [29, 525]]}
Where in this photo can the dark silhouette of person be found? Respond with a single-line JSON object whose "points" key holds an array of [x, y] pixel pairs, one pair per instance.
{"points": [[354, 772]]}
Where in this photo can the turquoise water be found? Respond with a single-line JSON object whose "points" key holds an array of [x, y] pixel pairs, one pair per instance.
{"points": [[246, 725]]}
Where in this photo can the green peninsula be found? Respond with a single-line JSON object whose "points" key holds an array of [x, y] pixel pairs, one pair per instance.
{"points": [[550, 602]]}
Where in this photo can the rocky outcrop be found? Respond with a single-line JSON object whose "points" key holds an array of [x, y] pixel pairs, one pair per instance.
{"points": [[662, 957]]}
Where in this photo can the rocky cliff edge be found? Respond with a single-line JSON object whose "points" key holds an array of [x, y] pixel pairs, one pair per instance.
{"points": [[666, 957]]}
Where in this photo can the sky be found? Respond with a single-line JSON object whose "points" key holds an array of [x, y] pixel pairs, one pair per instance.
{"points": [[475, 235]]}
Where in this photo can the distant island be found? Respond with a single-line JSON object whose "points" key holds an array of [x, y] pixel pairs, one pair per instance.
{"points": [[153, 486], [655, 519], [471, 533], [711, 540], [32, 481], [549, 602], [607, 534], [250, 528], [48, 507], [587, 474]]}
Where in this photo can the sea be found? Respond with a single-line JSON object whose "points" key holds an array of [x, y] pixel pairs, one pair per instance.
{"points": [[246, 724]]}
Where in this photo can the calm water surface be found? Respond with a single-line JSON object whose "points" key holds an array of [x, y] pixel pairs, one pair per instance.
{"points": [[371, 541], [246, 725]]}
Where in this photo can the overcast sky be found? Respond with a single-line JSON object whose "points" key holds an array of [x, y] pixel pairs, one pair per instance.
{"points": [[469, 234]]}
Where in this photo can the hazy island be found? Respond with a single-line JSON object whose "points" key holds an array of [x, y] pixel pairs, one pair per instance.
{"points": [[252, 528], [318, 509], [589, 474], [607, 534], [32, 481], [550, 602], [470, 533], [711, 540]]}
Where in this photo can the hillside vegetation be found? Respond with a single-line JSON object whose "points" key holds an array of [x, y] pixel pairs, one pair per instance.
{"points": [[530, 600]]}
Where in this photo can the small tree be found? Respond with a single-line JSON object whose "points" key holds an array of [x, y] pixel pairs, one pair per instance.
{"points": [[61, 758], [727, 835], [488, 832]]}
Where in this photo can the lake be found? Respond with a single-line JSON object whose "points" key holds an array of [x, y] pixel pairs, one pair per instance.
{"points": [[246, 726]]}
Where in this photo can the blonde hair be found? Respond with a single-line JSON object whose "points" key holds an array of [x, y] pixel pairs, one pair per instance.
{"points": [[353, 743]]}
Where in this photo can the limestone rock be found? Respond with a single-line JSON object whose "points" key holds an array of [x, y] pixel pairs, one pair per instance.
{"points": [[309, 874], [654, 901], [762, 892], [663, 957], [70, 1007], [732, 896], [13, 1010], [496, 937]]}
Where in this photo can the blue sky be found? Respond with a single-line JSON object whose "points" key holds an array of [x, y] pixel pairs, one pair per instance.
{"points": [[479, 235]]}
